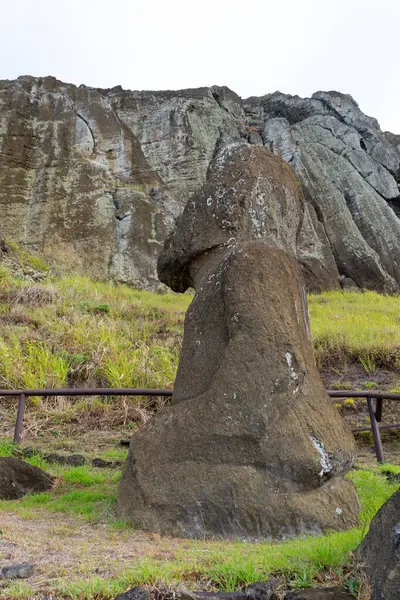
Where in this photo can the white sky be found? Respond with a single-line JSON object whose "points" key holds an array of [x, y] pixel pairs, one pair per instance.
{"points": [[252, 46]]}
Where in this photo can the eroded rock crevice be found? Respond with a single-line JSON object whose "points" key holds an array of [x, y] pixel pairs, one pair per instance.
{"points": [[84, 120]]}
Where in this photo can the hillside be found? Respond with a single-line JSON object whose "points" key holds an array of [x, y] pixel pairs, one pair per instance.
{"points": [[93, 179], [71, 331]]}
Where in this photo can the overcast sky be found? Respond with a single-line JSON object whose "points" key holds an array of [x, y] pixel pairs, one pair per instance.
{"points": [[252, 46]]}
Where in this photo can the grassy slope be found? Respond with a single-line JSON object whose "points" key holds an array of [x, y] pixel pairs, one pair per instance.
{"points": [[354, 326], [73, 331]]}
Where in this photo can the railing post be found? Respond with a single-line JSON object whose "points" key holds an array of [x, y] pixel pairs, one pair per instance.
{"points": [[20, 419], [378, 409], [375, 431]]}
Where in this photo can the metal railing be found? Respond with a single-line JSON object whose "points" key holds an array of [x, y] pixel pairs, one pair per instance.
{"points": [[24, 394], [375, 414], [374, 410]]}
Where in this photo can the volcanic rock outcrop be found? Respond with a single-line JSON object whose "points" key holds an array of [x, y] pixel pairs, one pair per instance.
{"points": [[350, 174], [94, 178], [251, 447], [379, 552]]}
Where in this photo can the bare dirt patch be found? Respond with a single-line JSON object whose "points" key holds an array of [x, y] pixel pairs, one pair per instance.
{"points": [[61, 546]]}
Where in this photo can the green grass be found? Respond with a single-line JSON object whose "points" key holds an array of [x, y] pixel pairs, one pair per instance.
{"points": [[6, 448], [362, 327], [49, 340], [84, 491], [72, 331], [27, 260], [114, 454], [230, 566], [89, 496], [75, 329]]}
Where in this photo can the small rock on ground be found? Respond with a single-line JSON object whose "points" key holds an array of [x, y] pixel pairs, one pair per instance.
{"points": [[136, 593], [190, 595], [18, 571], [264, 590], [101, 464], [76, 460]]}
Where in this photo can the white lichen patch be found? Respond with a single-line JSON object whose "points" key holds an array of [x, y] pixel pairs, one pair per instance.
{"points": [[294, 376], [289, 360], [325, 461]]}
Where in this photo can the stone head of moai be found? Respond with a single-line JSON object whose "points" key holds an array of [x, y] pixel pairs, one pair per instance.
{"points": [[249, 195]]}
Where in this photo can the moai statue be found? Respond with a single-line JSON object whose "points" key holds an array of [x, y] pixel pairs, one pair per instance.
{"points": [[251, 447]]}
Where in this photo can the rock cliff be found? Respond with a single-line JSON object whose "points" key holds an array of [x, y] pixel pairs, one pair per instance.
{"points": [[94, 179]]}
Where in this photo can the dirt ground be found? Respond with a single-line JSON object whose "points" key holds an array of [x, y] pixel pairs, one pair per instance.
{"points": [[59, 545]]}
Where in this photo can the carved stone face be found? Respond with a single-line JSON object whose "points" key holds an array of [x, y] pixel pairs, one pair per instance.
{"points": [[249, 195]]}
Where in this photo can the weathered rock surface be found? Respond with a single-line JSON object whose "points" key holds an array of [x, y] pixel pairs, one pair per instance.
{"points": [[252, 447], [350, 172], [17, 571], [135, 593], [259, 590], [380, 551], [75, 183], [94, 178], [264, 590], [17, 478], [333, 593]]}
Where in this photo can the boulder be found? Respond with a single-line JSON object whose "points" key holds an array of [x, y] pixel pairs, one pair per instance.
{"points": [[18, 478], [379, 552], [252, 447]]}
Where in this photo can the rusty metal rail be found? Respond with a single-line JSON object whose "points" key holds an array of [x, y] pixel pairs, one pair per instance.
{"points": [[375, 409], [375, 414], [23, 394]]}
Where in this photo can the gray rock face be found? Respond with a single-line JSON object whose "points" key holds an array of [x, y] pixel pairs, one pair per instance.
{"points": [[251, 447], [350, 172], [95, 178], [75, 183]]}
